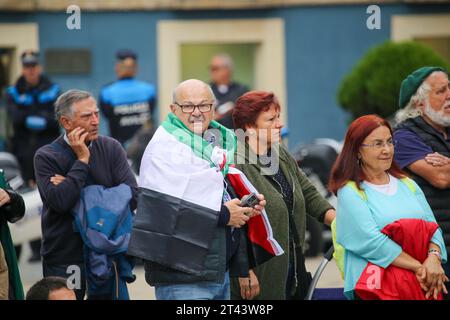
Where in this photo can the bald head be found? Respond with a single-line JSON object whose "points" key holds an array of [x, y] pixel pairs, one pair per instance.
{"points": [[189, 85], [193, 92]]}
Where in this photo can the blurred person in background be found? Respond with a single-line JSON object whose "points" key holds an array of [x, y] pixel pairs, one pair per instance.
{"points": [[30, 107], [30, 104], [224, 88], [136, 146], [127, 103]]}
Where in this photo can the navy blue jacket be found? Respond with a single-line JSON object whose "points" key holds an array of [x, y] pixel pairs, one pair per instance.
{"points": [[31, 110]]}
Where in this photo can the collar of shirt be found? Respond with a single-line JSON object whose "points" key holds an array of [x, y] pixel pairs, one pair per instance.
{"points": [[223, 88]]}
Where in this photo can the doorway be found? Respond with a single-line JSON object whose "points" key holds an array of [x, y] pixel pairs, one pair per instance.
{"points": [[195, 59], [259, 39]]}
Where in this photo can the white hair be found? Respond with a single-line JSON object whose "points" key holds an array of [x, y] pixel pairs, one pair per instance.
{"points": [[411, 110]]}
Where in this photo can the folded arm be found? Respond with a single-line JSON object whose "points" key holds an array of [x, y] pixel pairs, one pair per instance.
{"points": [[63, 196], [437, 176]]}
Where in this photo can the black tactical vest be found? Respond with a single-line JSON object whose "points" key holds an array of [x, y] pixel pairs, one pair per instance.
{"points": [[438, 199]]}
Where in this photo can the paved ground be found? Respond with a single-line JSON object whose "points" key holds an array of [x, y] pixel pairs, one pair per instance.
{"points": [[139, 290]]}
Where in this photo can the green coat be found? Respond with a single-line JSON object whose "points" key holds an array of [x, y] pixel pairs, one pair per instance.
{"points": [[11, 212], [272, 275]]}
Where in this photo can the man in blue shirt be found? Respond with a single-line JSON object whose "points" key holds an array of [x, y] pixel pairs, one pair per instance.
{"points": [[422, 138], [127, 103]]}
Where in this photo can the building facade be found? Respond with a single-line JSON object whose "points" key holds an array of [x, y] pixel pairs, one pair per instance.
{"points": [[301, 50]]}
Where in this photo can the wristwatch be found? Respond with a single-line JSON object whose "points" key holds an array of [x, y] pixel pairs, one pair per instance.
{"points": [[435, 252]]}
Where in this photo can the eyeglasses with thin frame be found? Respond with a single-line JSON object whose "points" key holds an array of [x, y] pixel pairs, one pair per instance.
{"points": [[380, 144], [189, 108]]}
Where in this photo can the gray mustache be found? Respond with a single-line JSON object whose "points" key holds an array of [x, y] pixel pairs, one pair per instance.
{"points": [[192, 119]]}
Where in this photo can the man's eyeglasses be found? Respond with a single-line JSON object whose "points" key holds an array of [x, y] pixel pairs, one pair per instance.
{"points": [[189, 108], [380, 144]]}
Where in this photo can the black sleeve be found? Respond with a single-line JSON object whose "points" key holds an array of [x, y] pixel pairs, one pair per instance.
{"points": [[240, 261], [224, 216], [122, 172], [15, 210], [64, 196]]}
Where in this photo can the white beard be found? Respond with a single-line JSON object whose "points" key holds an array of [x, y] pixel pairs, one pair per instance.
{"points": [[437, 117]]}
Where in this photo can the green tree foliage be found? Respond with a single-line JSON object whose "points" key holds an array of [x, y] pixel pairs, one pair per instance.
{"points": [[374, 83]]}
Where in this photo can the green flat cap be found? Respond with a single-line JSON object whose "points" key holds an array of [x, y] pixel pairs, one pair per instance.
{"points": [[412, 82]]}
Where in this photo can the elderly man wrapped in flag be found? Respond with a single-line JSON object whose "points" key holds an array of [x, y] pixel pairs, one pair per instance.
{"points": [[187, 226]]}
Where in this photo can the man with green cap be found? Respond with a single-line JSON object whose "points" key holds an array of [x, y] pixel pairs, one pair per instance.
{"points": [[422, 137]]}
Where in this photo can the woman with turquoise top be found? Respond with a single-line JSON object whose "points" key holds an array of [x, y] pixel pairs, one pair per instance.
{"points": [[374, 193]]}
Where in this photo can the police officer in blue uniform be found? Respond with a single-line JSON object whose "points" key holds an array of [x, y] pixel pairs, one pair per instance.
{"points": [[127, 103], [30, 105]]}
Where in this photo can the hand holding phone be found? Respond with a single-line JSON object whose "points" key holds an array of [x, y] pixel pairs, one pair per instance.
{"points": [[250, 200]]}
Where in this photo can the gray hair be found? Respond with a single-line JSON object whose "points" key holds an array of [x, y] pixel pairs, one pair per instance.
{"points": [[227, 60], [410, 110], [63, 105], [421, 95]]}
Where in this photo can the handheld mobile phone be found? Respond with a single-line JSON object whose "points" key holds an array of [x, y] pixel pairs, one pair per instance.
{"points": [[250, 200]]}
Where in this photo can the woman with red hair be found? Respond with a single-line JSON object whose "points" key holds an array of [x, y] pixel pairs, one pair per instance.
{"points": [[393, 246], [289, 194]]}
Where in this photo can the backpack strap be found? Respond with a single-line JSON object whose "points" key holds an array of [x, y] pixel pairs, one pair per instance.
{"points": [[361, 193], [407, 181], [410, 184], [339, 250]]}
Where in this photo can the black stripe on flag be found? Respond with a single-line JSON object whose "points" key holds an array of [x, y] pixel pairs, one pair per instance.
{"points": [[172, 232]]}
